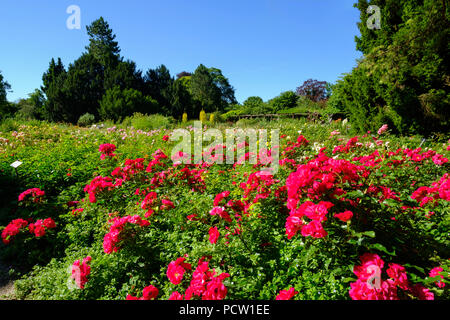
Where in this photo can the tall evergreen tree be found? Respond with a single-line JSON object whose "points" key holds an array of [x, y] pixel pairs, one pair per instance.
{"points": [[80, 89], [211, 89], [226, 90], [6, 108], [101, 42], [53, 72], [125, 75], [203, 89], [53, 86], [158, 83], [83, 87], [180, 100]]}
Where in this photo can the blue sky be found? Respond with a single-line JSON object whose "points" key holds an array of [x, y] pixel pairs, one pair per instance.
{"points": [[264, 47]]}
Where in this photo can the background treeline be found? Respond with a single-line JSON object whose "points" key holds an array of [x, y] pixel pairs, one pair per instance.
{"points": [[402, 80], [101, 84]]}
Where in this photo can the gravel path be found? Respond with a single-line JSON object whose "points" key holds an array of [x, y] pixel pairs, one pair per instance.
{"points": [[6, 284]]}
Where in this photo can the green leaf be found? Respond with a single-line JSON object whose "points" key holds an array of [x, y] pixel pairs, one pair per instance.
{"points": [[407, 265], [380, 247], [390, 202], [354, 194], [369, 234]]}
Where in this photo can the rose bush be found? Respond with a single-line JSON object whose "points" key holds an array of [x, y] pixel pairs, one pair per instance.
{"points": [[342, 213]]}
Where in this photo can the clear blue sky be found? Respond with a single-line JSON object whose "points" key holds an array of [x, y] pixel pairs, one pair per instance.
{"points": [[264, 47]]}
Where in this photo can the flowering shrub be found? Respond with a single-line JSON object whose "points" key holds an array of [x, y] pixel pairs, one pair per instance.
{"points": [[37, 228], [116, 232], [205, 284], [148, 293], [345, 217], [107, 150], [12, 229], [286, 294], [98, 185], [32, 195], [370, 268], [176, 269]]}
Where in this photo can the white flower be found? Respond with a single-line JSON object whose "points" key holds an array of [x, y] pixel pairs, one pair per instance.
{"points": [[344, 122]]}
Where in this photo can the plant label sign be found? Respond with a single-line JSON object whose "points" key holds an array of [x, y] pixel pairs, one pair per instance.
{"points": [[15, 164]]}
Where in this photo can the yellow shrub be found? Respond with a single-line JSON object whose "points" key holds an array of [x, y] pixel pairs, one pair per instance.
{"points": [[202, 116]]}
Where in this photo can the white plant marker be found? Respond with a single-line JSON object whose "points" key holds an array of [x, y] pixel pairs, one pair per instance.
{"points": [[15, 164]]}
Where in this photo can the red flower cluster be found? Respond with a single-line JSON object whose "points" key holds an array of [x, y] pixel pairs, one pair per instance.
{"points": [[292, 147], [438, 190], [176, 269], [176, 296], [98, 185], [286, 294], [220, 211], [151, 200], [370, 285], [416, 156], [113, 237], [382, 193], [315, 212], [12, 229], [77, 211], [166, 204], [40, 226], [231, 206], [258, 185], [37, 228], [320, 177], [34, 194], [437, 272], [158, 155], [81, 271], [193, 177], [131, 168], [148, 293], [203, 284], [148, 203], [344, 216], [219, 197], [107, 150], [215, 154], [213, 235], [351, 144]]}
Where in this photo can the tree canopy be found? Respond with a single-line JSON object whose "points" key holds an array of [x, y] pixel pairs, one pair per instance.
{"points": [[211, 89], [403, 78], [108, 86], [5, 107]]}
